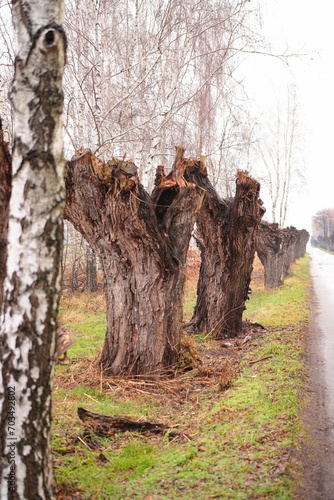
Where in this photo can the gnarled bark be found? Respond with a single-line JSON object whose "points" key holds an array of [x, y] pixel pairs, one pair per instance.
{"points": [[141, 242], [290, 236], [226, 232]]}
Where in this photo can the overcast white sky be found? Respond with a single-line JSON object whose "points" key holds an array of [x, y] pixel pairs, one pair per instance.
{"points": [[302, 26]]}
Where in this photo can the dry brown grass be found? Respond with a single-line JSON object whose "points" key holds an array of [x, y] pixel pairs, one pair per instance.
{"points": [[76, 306], [257, 282], [88, 302], [207, 365]]}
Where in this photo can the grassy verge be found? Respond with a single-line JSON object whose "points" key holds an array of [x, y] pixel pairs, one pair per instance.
{"points": [[235, 440]]}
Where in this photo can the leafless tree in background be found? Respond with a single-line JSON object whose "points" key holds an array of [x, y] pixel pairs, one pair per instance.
{"points": [[280, 157], [6, 68], [144, 77], [323, 223]]}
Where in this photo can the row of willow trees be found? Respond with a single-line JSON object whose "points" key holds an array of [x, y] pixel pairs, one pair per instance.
{"points": [[277, 249], [142, 240]]}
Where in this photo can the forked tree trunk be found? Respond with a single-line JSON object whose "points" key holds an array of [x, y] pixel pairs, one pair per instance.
{"points": [[35, 232], [5, 191], [141, 242], [226, 233]]}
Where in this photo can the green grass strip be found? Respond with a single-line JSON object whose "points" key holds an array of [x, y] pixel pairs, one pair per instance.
{"points": [[241, 442]]}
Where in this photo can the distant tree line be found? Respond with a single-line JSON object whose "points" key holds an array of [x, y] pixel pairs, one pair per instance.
{"points": [[323, 229]]}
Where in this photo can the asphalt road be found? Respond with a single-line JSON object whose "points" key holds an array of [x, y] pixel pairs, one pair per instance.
{"points": [[322, 273], [319, 451]]}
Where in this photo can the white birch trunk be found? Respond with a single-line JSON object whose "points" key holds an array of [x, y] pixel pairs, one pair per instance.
{"points": [[32, 287]]}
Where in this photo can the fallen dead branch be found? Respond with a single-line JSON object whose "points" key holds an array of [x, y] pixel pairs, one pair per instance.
{"points": [[106, 425]]}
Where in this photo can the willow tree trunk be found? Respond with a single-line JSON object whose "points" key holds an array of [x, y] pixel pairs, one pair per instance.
{"points": [[141, 242], [303, 238], [5, 191], [290, 245], [91, 270], [32, 285], [270, 250], [226, 234]]}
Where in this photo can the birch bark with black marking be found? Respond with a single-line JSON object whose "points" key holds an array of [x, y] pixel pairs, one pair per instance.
{"points": [[32, 286]]}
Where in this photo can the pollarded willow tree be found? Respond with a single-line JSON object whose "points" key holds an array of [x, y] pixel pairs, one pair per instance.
{"points": [[226, 236], [32, 284], [302, 241], [141, 241], [270, 249]]}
